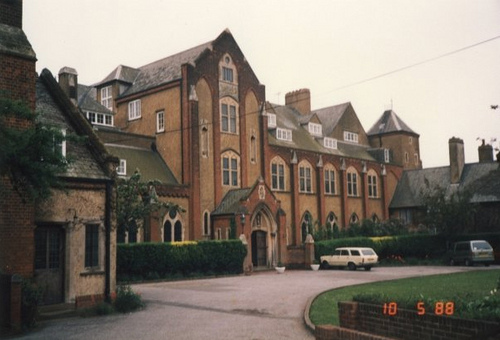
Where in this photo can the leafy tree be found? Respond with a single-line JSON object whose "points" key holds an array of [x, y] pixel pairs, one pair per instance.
{"points": [[136, 200], [28, 153], [447, 213]]}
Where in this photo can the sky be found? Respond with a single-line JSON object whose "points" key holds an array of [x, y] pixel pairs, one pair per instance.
{"points": [[435, 63]]}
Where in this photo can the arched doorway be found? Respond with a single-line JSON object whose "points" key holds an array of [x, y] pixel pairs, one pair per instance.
{"points": [[263, 238]]}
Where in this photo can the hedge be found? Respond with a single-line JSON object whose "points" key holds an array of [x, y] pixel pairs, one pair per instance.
{"points": [[419, 246], [140, 261]]}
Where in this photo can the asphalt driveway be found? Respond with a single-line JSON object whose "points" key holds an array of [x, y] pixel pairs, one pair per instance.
{"points": [[265, 305]]}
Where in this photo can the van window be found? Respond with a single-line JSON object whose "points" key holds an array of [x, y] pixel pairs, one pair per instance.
{"points": [[355, 252], [344, 252], [368, 252], [481, 245], [337, 253]]}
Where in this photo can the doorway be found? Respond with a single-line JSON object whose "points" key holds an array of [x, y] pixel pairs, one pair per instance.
{"points": [[49, 263], [259, 248]]}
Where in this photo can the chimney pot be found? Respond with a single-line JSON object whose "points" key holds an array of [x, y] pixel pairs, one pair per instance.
{"points": [[68, 80], [299, 100]]}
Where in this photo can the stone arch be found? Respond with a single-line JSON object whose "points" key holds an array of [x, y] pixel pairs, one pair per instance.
{"points": [[173, 227], [264, 236]]}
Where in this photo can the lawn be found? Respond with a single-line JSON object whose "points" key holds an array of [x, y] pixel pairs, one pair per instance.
{"points": [[468, 285]]}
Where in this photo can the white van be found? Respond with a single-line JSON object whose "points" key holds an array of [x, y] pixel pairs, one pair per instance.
{"points": [[471, 252]]}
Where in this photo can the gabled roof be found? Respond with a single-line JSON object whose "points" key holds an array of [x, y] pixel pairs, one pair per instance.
{"points": [[53, 107], [289, 118], [122, 73], [481, 179], [388, 123], [231, 201]]}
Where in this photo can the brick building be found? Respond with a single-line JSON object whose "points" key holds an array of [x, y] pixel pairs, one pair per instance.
{"points": [[241, 165], [67, 243]]}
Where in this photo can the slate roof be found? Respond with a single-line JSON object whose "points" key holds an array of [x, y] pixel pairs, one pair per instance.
{"points": [[289, 118], [231, 201], [87, 100], [122, 73], [14, 41], [388, 123], [54, 108], [481, 179]]}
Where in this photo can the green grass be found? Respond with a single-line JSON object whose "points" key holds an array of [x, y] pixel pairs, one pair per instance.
{"points": [[469, 285]]}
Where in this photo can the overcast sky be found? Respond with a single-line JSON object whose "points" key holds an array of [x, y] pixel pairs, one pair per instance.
{"points": [[370, 53]]}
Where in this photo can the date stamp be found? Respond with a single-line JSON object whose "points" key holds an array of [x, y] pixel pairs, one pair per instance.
{"points": [[439, 308]]}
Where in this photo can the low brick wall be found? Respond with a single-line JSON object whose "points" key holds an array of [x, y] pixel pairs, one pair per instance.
{"points": [[329, 332], [408, 325], [87, 301]]}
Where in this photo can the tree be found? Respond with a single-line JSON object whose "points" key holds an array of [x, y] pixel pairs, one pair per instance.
{"points": [[136, 200], [28, 152], [447, 213]]}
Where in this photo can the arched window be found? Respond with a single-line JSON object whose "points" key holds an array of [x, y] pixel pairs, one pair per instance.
{"points": [[331, 225], [172, 227], [230, 169], [354, 219], [352, 182], [228, 73], [330, 180], [228, 115], [278, 174], [375, 218], [306, 225], [372, 184], [305, 177]]}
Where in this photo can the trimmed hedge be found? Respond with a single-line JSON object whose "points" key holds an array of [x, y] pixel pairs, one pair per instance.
{"points": [[420, 246], [141, 261]]}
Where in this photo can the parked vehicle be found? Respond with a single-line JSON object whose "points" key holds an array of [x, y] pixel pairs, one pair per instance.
{"points": [[471, 252], [350, 257]]}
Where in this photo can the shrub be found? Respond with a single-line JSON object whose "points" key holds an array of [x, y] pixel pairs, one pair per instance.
{"points": [[127, 300], [32, 296]]}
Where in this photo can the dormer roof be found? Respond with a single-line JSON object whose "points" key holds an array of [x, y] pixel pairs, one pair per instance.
{"points": [[389, 123]]}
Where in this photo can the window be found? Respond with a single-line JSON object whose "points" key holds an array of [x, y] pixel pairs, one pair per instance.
{"points": [[306, 226], [227, 74], [230, 171], [204, 141], [60, 143], [206, 223], [331, 224], [330, 143], [315, 129], [122, 168], [284, 134], [253, 149], [407, 158], [372, 185], [160, 121], [271, 120], [228, 118], [410, 140], [330, 181], [91, 245], [416, 158], [350, 137], [354, 219], [100, 118], [352, 183], [107, 97], [387, 155], [277, 175], [305, 180], [134, 109], [219, 234]]}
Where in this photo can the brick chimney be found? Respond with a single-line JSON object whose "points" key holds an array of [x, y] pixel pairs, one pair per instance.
{"points": [[68, 80], [457, 159], [485, 153], [299, 100], [11, 13]]}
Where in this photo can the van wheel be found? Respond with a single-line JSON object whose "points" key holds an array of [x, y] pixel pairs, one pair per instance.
{"points": [[325, 265], [468, 263], [368, 268], [486, 264], [351, 266]]}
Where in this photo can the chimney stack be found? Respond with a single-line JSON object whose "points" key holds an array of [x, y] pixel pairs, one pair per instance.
{"points": [[11, 13], [485, 153], [457, 159], [68, 80], [299, 100]]}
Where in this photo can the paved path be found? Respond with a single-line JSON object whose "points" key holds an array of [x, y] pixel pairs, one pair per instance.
{"points": [[264, 305]]}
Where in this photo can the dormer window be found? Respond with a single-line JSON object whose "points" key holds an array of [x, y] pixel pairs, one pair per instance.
{"points": [[107, 97], [315, 129], [284, 134], [271, 120], [350, 137], [330, 143]]}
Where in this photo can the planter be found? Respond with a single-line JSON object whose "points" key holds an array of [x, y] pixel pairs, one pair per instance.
{"points": [[280, 270], [315, 267]]}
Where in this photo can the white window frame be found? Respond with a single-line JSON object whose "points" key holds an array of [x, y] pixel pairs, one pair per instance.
{"points": [[228, 74], [229, 113], [134, 109], [99, 118], [122, 168], [284, 134], [352, 184], [330, 143], [60, 146], [372, 186], [305, 179], [315, 129], [387, 156], [231, 171], [271, 120], [160, 121], [351, 137], [107, 97], [278, 176], [330, 181]]}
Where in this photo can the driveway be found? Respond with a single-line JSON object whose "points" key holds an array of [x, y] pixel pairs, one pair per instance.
{"points": [[265, 305]]}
